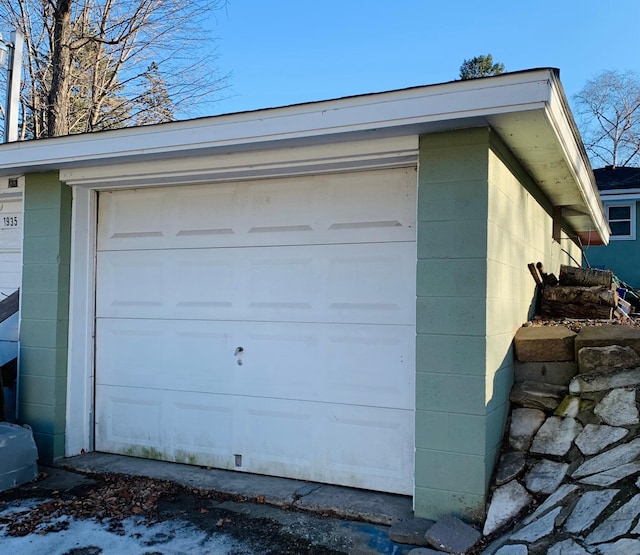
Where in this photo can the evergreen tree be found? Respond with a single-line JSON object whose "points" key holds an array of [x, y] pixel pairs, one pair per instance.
{"points": [[154, 105], [480, 66]]}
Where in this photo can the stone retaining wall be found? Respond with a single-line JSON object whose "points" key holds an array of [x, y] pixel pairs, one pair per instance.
{"points": [[571, 461]]}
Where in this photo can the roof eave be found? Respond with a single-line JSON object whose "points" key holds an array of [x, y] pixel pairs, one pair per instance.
{"points": [[554, 157]]}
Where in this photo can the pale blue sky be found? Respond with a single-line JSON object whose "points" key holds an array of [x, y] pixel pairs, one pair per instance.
{"points": [[283, 52]]}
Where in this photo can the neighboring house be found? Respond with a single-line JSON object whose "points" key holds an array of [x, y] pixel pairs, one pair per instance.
{"points": [[327, 291], [620, 194], [11, 190]]}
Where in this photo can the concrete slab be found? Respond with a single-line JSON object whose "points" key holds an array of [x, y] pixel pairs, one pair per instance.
{"points": [[556, 373], [374, 507], [280, 492], [603, 336], [544, 343], [58, 479], [412, 531]]}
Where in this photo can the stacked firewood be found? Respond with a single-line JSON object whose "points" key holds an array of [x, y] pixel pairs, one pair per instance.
{"points": [[577, 293]]}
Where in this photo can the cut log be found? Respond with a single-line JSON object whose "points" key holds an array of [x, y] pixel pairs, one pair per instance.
{"points": [[586, 277], [581, 295], [555, 309], [547, 279], [534, 273]]}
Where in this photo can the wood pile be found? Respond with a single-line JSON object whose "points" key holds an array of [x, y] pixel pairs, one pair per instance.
{"points": [[581, 293]]}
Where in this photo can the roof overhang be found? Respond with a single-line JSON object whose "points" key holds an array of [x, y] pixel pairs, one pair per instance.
{"points": [[528, 110]]}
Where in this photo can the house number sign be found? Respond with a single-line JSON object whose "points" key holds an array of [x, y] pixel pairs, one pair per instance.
{"points": [[9, 221]]}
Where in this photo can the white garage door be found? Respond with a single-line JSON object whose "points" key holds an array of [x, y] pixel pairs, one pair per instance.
{"points": [[264, 326]]}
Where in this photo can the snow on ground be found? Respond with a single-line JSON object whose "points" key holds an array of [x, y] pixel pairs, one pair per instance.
{"points": [[166, 538]]}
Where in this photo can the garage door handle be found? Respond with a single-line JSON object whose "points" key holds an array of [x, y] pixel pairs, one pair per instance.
{"points": [[238, 355]]}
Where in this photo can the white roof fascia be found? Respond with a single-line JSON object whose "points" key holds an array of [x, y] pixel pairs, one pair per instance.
{"points": [[398, 112], [622, 195], [577, 161]]}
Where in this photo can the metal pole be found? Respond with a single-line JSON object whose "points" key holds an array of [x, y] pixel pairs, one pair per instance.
{"points": [[13, 87]]}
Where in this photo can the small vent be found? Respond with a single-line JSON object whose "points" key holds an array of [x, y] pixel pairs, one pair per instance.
{"points": [[238, 460], [13, 182]]}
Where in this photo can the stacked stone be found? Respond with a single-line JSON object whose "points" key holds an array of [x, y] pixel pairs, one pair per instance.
{"points": [[572, 455]]}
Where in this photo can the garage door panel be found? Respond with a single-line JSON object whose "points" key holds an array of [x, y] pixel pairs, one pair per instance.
{"points": [[203, 427], [129, 218], [367, 365], [159, 424], [259, 430], [205, 212], [348, 283], [160, 354], [271, 428], [380, 433], [132, 419], [299, 210]]}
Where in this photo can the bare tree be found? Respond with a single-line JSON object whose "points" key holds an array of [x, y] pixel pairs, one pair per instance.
{"points": [[608, 108], [87, 61]]}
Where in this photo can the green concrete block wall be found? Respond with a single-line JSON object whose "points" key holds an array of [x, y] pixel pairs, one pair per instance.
{"points": [[481, 220], [44, 311], [451, 324]]}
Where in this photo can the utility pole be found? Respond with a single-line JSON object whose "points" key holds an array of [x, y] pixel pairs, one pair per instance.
{"points": [[15, 47]]}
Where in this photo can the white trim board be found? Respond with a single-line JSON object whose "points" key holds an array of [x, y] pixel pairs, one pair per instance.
{"points": [[80, 370]]}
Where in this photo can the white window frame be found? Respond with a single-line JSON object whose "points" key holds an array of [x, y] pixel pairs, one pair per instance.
{"points": [[632, 219]]}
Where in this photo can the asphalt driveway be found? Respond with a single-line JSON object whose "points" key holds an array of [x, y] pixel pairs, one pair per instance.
{"points": [[71, 513]]}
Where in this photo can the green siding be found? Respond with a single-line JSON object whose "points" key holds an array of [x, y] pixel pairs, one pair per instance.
{"points": [[620, 256], [480, 221], [45, 311]]}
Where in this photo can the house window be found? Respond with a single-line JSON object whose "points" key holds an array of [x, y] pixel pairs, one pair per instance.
{"points": [[622, 221]]}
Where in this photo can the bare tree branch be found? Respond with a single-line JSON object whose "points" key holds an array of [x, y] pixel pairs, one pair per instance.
{"points": [[86, 61], [609, 110]]}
